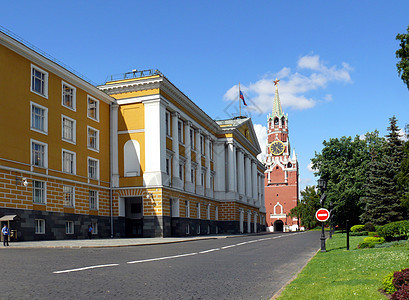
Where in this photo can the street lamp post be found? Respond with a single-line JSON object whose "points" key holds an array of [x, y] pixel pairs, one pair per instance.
{"points": [[322, 184], [330, 219]]}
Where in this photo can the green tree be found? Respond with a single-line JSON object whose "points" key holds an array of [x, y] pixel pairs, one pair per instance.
{"points": [[381, 199], [403, 175], [305, 211], [343, 163], [403, 54]]}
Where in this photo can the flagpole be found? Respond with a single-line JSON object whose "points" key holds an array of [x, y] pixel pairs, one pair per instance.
{"points": [[239, 101]]}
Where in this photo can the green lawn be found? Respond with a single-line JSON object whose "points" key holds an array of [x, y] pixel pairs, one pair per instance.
{"points": [[342, 274]]}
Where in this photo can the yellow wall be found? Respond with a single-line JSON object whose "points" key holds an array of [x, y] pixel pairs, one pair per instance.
{"points": [[15, 133]]}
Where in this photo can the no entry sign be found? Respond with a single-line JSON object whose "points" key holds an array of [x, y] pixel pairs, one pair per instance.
{"points": [[322, 215]]}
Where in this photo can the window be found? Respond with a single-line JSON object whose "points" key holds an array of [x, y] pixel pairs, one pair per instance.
{"points": [[93, 199], [68, 95], [69, 227], [93, 139], [198, 229], [39, 192], [68, 192], [192, 176], [168, 166], [211, 150], [93, 168], [68, 129], [39, 118], [202, 145], [181, 172], [216, 213], [187, 229], [187, 204], [38, 154], [276, 121], [208, 211], [39, 81], [167, 123], [68, 161], [180, 131], [39, 226], [93, 109], [192, 138], [202, 178], [198, 210]]}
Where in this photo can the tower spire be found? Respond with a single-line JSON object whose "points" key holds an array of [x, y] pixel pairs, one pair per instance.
{"points": [[277, 109]]}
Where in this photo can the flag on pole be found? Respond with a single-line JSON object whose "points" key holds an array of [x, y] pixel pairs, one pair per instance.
{"points": [[242, 98]]}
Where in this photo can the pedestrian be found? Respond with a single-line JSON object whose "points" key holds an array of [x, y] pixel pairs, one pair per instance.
{"points": [[6, 233], [89, 231]]}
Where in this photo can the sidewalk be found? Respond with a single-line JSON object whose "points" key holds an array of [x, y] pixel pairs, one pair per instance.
{"points": [[116, 242]]}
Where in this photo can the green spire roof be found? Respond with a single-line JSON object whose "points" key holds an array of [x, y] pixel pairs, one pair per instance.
{"points": [[277, 109]]}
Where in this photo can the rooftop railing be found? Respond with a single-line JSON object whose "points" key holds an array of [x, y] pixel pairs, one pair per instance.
{"points": [[133, 74]]}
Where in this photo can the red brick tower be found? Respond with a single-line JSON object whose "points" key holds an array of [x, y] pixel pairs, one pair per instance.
{"points": [[281, 176]]}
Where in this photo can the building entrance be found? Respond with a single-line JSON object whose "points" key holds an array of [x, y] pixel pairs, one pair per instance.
{"points": [[278, 225], [134, 216]]}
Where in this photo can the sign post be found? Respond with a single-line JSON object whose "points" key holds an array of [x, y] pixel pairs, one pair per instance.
{"points": [[322, 215]]}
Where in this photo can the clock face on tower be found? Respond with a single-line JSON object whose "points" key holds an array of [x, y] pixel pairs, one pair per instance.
{"points": [[277, 147]]}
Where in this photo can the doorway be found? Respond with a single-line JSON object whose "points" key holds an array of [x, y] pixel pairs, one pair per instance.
{"points": [[134, 216], [278, 225]]}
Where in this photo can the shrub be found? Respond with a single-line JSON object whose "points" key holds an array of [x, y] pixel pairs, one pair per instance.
{"points": [[359, 233], [387, 283], [369, 227], [401, 278], [395, 230], [357, 228], [402, 293], [373, 233], [366, 245], [373, 239]]}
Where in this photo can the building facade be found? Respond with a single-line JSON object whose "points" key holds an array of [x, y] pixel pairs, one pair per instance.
{"points": [[281, 175], [133, 157]]}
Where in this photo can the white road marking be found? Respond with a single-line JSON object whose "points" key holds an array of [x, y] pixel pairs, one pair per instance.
{"points": [[225, 247], [170, 257], [210, 250], [160, 258], [85, 268]]}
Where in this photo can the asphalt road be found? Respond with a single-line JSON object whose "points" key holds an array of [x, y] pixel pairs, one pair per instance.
{"points": [[248, 267]]}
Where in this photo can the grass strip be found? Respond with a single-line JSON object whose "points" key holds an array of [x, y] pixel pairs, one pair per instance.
{"points": [[346, 274]]}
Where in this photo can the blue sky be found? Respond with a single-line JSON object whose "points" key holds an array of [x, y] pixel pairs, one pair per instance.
{"points": [[336, 59]]}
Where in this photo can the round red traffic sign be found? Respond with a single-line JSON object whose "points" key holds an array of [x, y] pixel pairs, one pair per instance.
{"points": [[322, 215]]}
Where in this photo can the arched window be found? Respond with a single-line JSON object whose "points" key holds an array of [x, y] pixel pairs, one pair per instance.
{"points": [[278, 209], [289, 165], [275, 121], [132, 152], [282, 121]]}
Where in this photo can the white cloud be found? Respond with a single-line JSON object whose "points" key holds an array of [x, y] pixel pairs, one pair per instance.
{"points": [[309, 168], [313, 74], [402, 135], [261, 132]]}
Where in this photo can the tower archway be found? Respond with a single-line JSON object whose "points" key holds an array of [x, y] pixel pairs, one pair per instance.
{"points": [[278, 225]]}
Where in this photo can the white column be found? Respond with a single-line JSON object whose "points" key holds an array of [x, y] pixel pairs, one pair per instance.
{"points": [[240, 174], [199, 187], [155, 149], [247, 172], [231, 165], [114, 145], [175, 149], [262, 200], [254, 180], [220, 169], [207, 165], [188, 156]]}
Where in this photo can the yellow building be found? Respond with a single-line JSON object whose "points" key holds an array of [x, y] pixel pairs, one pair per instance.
{"points": [[133, 157]]}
